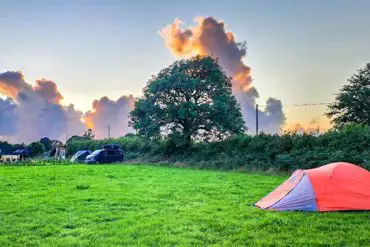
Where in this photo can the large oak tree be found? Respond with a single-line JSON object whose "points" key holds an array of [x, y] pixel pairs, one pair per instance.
{"points": [[192, 98]]}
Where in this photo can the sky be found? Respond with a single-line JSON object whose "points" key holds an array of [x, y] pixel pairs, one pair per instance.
{"points": [[299, 51]]}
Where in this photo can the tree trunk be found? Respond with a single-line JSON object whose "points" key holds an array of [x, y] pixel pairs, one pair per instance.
{"points": [[187, 136], [188, 140]]}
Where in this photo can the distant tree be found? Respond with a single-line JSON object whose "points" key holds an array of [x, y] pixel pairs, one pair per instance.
{"points": [[191, 98], [6, 147], [352, 104], [77, 138], [36, 148], [88, 134], [19, 146], [47, 143], [129, 135]]}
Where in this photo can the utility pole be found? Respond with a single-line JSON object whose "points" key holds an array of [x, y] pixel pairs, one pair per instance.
{"points": [[256, 119], [108, 131]]}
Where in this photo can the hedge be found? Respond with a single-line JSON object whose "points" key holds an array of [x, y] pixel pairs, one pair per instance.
{"points": [[284, 152]]}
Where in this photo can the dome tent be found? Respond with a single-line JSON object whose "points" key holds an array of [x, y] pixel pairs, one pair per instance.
{"points": [[332, 187]]}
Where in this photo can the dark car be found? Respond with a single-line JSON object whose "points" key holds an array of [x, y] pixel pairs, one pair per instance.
{"points": [[109, 154]]}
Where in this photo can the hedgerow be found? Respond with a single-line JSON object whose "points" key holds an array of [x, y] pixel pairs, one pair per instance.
{"points": [[283, 152]]}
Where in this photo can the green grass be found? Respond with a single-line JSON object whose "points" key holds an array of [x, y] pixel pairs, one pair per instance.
{"points": [[115, 205]]}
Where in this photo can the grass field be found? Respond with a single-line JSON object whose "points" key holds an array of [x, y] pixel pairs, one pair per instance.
{"points": [[108, 205]]}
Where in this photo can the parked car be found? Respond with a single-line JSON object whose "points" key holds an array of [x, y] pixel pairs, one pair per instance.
{"points": [[109, 154], [80, 156]]}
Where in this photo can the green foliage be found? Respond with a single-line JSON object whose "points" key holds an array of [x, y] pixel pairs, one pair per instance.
{"points": [[36, 148], [263, 152], [286, 152], [6, 147], [191, 99], [78, 138], [18, 146], [140, 205], [82, 186], [352, 104], [47, 143]]}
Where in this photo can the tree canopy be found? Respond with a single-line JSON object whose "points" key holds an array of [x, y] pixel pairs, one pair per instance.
{"points": [[352, 104], [36, 148], [192, 98], [47, 143], [6, 148], [79, 138]]}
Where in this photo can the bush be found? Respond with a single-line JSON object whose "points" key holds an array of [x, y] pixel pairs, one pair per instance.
{"points": [[36, 148]]}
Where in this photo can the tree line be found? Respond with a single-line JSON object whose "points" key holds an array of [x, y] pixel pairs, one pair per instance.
{"points": [[36, 148], [190, 103], [287, 151]]}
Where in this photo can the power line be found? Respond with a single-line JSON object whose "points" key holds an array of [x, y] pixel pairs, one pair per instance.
{"points": [[305, 104]]}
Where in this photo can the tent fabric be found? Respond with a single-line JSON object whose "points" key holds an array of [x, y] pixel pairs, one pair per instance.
{"points": [[281, 191], [301, 197], [341, 186], [333, 187]]}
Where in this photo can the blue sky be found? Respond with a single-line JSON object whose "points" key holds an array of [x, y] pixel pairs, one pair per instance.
{"points": [[299, 51]]}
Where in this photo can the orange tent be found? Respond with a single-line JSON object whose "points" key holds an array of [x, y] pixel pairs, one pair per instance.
{"points": [[332, 187]]}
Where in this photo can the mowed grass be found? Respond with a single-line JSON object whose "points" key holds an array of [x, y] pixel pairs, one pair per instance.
{"points": [[142, 205]]}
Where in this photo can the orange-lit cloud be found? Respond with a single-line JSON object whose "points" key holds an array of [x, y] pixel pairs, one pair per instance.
{"points": [[209, 37], [30, 113], [48, 90], [11, 83], [107, 113], [315, 125]]}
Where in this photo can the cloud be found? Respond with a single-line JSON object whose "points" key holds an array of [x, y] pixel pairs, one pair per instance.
{"points": [[32, 112], [48, 90], [12, 82], [209, 37], [8, 118], [109, 113], [35, 112]]}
